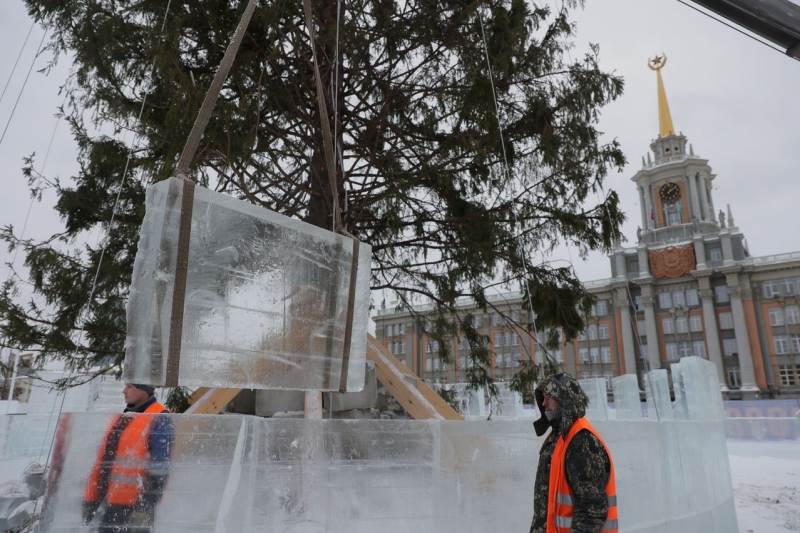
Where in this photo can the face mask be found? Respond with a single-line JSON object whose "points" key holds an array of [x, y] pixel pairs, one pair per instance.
{"points": [[553, 415]]}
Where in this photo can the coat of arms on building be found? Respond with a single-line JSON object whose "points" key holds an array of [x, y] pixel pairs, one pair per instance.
{"points": [[672, 262]]}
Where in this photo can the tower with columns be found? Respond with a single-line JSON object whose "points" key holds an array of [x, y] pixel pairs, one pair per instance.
{"points": [[689, 286]]}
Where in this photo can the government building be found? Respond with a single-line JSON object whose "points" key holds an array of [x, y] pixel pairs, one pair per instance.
{"points": [[688, 287]]}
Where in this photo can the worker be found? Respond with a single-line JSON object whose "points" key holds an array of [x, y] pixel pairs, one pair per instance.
{"points": [[130, 474], [575, 488]]}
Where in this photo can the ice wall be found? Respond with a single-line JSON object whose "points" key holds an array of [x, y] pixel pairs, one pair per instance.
{"points": [[238, 473], [266, 297]]}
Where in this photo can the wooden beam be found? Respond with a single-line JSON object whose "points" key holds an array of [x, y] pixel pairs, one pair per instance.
{"points": [[417, 398], [212, 402]]}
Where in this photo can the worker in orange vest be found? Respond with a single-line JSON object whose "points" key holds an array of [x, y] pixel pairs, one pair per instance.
{"points": [[575, 490], [132, 466]]}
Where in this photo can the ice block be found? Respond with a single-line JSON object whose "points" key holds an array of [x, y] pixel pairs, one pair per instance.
{"points": [[626, 397], [595, 389], [265, 303], [656, 387]]}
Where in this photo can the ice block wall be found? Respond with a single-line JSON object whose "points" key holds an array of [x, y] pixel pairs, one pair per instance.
{"points": [[266, 297], [239, 473]]}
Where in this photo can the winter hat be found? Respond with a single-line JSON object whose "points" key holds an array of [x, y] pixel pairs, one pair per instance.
{"points": [[147, 388]]}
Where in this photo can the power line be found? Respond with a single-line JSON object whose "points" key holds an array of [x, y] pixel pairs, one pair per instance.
{"points": [[33, 61], [14, 68]]}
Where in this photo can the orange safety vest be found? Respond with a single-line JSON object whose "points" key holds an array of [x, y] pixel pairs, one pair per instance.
{"points": [[126, 480], [559, 500]]}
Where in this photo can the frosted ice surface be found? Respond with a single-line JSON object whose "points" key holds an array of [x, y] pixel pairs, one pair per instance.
{"points": [[266, 297], [626, 397], [595, 389], [508, 403], [703, 400], [681, 409], [471, 402], [248, 474], [656, 387]]}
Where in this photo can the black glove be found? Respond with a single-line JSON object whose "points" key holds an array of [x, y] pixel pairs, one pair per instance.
{"points": [[153, 490], [89, 510]]}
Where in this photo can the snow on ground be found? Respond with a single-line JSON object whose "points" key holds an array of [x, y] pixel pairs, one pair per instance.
{"points": [[766, 485]]}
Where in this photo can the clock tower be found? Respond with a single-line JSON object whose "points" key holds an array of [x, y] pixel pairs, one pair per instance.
{"points": [[682, 248]]}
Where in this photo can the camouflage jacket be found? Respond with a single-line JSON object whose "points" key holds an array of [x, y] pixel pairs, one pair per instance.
{"points": [[587, 464]]}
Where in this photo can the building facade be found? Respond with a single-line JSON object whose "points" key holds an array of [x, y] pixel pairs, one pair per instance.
{"points": [[688, 287]]}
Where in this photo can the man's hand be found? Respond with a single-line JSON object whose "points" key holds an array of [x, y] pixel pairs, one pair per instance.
{"points": [[89, 510]]}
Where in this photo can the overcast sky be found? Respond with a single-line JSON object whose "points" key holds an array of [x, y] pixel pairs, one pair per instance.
{"points": [[735, 99]]}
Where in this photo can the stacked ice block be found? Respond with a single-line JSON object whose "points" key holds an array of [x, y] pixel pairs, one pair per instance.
{"points": [[249, 474], [266, 297]]}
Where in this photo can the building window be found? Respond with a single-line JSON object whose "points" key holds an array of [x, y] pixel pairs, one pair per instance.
{"points": [[721, 294], [734, 377], [691, 298], [685, 349], [699, 349], [781, 344], [673, 218], [788, 287], [672, 350], [515, 339], [594, 353], [583, 354], [665, 300], [603, 331], [498, 339], [559, 356], [402, 348], [787, 375], [794, 341], [633, 266], [726, 321], [609, 375], [638, 304], [715, 254], [584, 374], [677, 298], [605, 354], [792, 314], [641, 328], [507, 338], [668, 325], [643, 351], [682, 324], [462, 343], [729, 347], [387, 330], [402, 329], [592, 332], [582, 336], [695, 323], [601, 307], [477, 321], [496, 319], [771, 289], [776, 316]]}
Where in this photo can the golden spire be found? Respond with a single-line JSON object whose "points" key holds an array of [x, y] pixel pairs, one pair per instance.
{"points": [[664, 118]]}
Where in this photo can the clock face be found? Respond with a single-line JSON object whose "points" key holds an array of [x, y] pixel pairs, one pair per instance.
{"points": [[670, 192]]}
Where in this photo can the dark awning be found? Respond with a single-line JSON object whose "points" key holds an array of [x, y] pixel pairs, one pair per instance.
{"points": [[775, 20]]}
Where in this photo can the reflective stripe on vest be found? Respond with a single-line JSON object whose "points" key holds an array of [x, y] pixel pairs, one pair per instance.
{"points": [[129, 467], [560, 502]]}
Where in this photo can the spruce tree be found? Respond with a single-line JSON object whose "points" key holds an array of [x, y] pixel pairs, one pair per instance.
{"points": [[457, 179]]}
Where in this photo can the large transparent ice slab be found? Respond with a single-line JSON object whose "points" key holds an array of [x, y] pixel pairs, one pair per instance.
{"points": [[703, 400], [266, 297], [248, 474]]}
